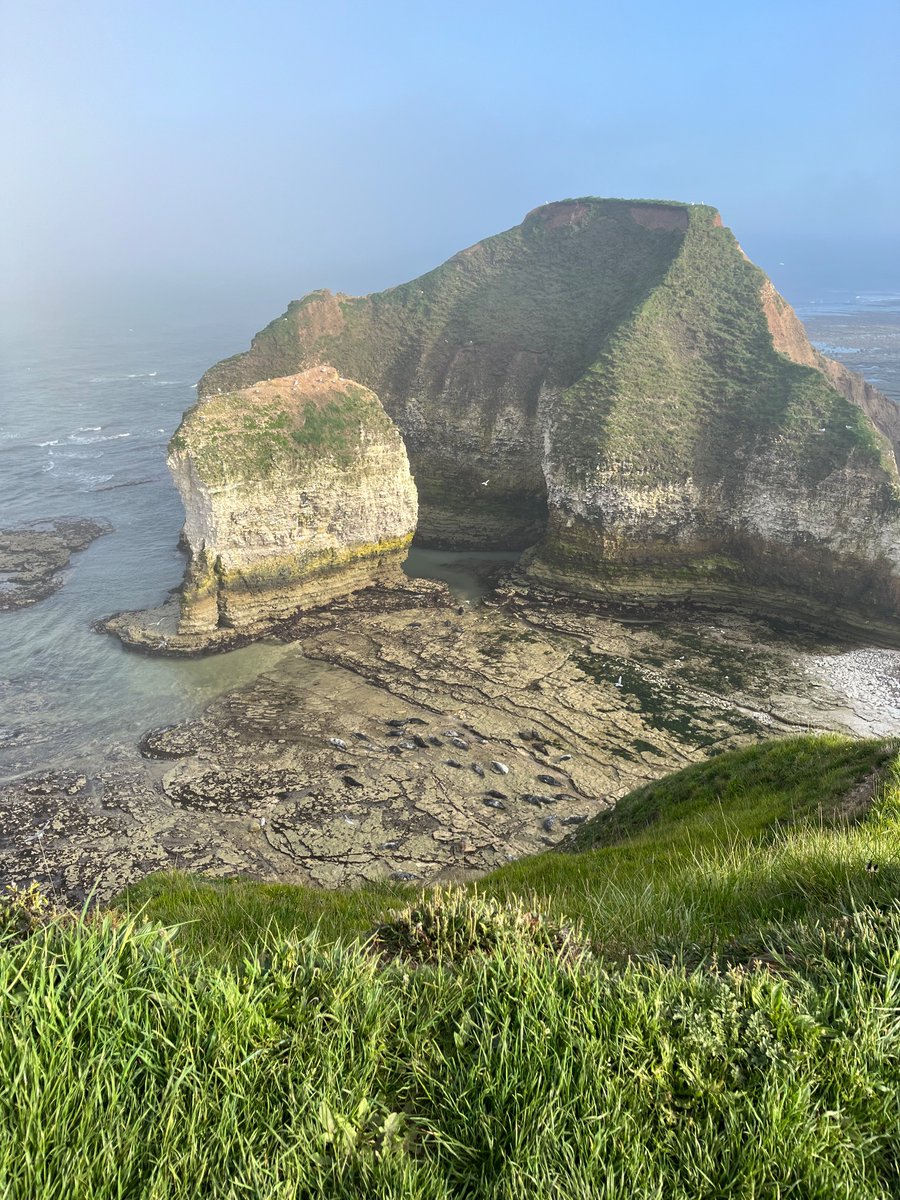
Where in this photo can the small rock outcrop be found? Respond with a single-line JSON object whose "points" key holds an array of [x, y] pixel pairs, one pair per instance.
{"points": [[31, 558], [295, 490]]}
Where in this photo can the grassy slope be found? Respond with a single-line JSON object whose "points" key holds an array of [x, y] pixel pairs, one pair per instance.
{"points": [[721, 857], [555, 291], [693, 376], [132, 1068]]}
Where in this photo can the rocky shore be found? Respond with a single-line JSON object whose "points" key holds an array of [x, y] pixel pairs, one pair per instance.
{"points": [[32, 558], [405, 737]]}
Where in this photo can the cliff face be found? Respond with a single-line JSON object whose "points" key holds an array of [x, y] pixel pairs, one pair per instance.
{"points": [[295, 490], [459, 357], [614, 384]]}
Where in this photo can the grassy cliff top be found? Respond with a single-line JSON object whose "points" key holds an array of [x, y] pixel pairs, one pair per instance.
{"points": [[283, 426], [645, 315], [554, 286]]}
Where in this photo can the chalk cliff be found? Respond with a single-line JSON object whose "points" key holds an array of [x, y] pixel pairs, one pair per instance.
{"points": [[295, 490], [613, 384]]}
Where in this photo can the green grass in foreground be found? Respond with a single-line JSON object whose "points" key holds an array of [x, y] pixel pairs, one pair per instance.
{"points": [[514, 1064], [698, 857]]}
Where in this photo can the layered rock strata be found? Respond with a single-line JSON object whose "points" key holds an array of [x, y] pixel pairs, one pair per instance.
{"points": [[614, 384], [295, 490]]}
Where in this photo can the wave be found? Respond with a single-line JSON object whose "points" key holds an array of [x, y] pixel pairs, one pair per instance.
{"points": [[54, 442], [90, 481], [122, 378], [126, 483], [89, 441]]}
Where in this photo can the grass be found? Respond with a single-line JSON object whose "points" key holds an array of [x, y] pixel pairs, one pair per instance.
{"points": [[747, 1046], [241, 436], [697, 858]]}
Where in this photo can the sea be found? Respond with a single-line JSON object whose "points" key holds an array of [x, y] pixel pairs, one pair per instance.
{"points": [[87, 406]]}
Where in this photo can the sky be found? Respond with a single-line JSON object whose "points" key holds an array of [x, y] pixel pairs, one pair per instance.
{"points": [[209, 148]]}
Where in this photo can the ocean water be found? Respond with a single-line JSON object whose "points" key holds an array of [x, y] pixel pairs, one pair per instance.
{"points": [[862, 331], [86, 411]]}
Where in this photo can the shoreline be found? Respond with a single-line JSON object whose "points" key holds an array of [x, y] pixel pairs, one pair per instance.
{"points": [[340, 763]]}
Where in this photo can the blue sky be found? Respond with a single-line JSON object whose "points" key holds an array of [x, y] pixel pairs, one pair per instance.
{"points": [[285, 146]]}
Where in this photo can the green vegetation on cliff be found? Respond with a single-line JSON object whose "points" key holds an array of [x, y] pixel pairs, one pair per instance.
{"points": [[613, 383], [749, 1047], [281, 427], [482, 333], [692, 383]]}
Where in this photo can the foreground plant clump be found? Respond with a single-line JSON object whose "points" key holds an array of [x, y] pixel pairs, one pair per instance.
{"points": [[448, 925], [479, 1046]]}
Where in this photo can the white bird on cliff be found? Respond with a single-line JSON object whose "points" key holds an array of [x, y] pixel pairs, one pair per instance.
{"points": [[485, 482]]}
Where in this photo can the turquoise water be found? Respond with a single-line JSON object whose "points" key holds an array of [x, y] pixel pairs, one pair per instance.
{"points": [[86, 410]]}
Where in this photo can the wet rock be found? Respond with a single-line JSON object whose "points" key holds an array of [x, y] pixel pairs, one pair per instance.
{"points": [[230, 791], [32, 557], [358, 660]]}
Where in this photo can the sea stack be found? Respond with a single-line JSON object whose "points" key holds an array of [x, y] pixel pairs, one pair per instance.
{"points": [[296, 490]]}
